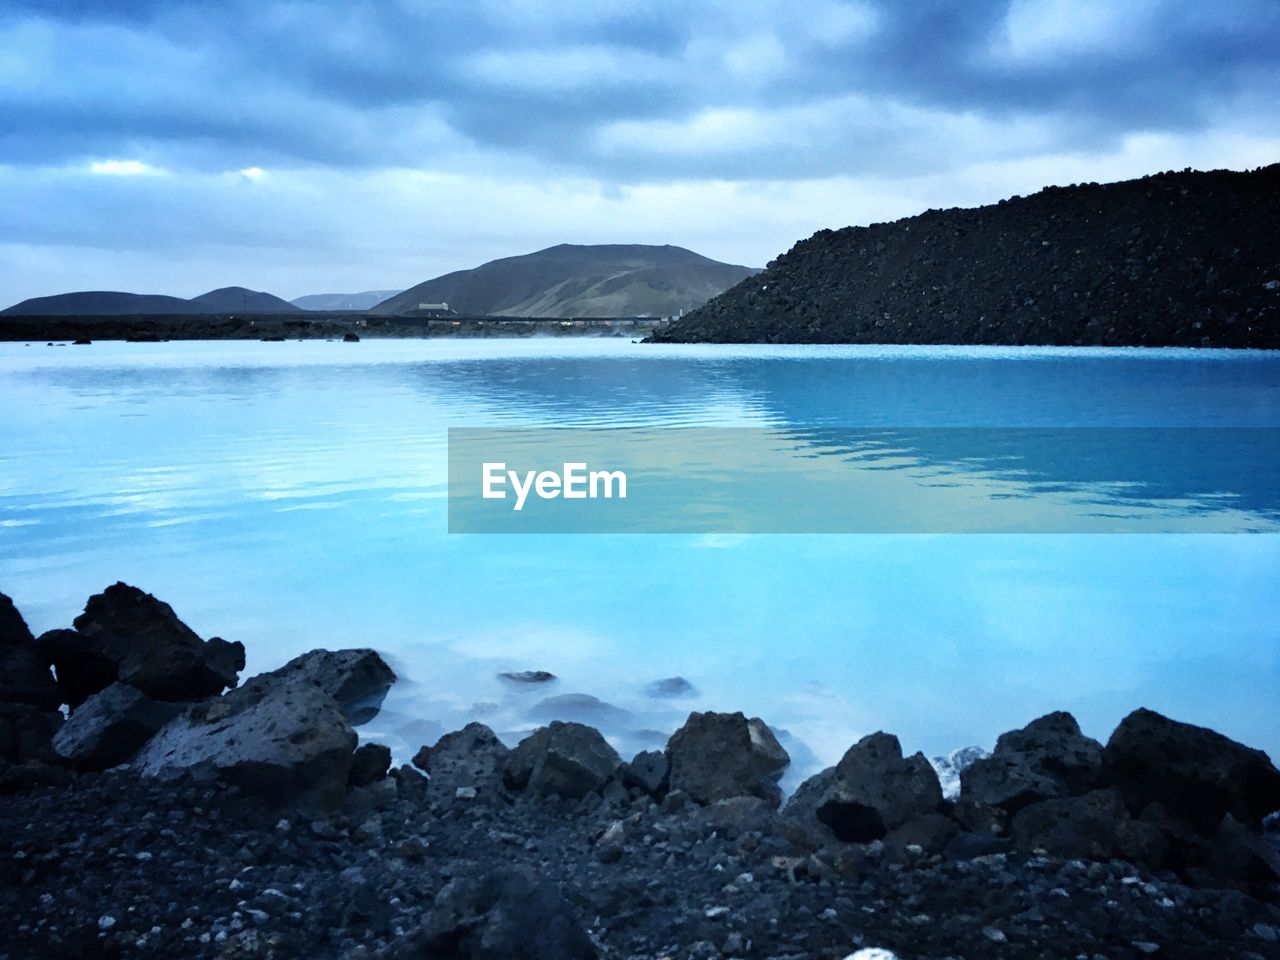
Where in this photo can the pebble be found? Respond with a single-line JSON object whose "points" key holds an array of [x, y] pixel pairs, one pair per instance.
{"points": [[106, 922], [1146, 946]]}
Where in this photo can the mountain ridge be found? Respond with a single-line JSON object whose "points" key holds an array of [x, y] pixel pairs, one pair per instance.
{"points": [[577, 280], [113, 303]]}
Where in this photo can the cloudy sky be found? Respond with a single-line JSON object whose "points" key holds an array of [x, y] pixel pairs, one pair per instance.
{"points": [[303, 147]]}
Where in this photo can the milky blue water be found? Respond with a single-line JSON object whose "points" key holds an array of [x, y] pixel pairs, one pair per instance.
{"points": [[293, 496]]}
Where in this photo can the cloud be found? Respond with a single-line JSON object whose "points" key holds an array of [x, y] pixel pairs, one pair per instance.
{"points": [[545, 119], [123, 168]]}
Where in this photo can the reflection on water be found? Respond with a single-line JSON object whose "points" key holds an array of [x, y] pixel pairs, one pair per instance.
{"points": [[292, 495]]}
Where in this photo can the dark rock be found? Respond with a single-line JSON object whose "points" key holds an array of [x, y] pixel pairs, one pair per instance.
{"points": [[527, 677], [26, 733], [350, 338], [1046, 759], [979, 817], [766, 752], [581, 707], [648, 771], [1243, 858], [931, 832], [131, 636], [670, 688], [13, 629], [357, 679], [1087, 827], [110, 727], [280, 740], [470, 757], [1198, 774], [504, 914], [83, 669], [872, 790], [369, 764], [714, 757], [561, 759], [24, 673]]}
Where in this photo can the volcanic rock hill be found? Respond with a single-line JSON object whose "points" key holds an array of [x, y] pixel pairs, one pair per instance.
{"points": [[1175, 259], [569, 280], [165, 818]]}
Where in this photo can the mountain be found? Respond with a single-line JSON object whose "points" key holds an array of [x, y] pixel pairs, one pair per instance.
{"points": [[611, 280], [106, 303], [1188, 258], [343, 301]]}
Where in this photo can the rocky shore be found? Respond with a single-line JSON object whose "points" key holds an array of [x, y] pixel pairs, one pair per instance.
{"points": [[1184, 259], [151, 804]]}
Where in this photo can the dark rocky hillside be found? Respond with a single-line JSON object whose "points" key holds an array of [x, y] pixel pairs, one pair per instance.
{"points": [[1186, 259], [570, 280]]}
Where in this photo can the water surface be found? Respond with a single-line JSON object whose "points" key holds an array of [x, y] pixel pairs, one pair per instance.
{"points": [[292, 496]]}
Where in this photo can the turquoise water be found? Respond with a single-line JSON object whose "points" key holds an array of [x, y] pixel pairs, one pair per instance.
{"points": [[293, 496]]}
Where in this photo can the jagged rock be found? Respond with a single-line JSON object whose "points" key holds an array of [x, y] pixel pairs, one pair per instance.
{"points": [[109, 727], [871, 791], [1046, 759], [930, 832], [369, 764], [82, 668], [13, 629], [278, 739], [670, 688], [1242, 857], [562, 759], [504, 914], [1086, 827], [125, 634], [26, 732], [648, 771], [24, 673], [714, 757], [470, 757], [357, 679], [1197, 773]]}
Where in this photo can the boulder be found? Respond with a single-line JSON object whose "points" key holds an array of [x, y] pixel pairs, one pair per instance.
{"points": [[503, 914], [715, 756], [562, 759], [931, 833], [125, 634], [581, 707], [1197, 773], [648, 772], [26, 733], [24, 673], [369, 764], [110, 726], [1047, 759], [1085, 827], [82, 668], [470, 757], [670, 688], [281, 740], [871, 791], [357, 679], [13, 629]]}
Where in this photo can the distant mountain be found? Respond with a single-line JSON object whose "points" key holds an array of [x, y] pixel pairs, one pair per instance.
{"points": [[343, 301], [106, 303], [611, 280], [1174, 259]]}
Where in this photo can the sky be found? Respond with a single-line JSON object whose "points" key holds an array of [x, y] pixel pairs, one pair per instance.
{"points": [[164, 146]]}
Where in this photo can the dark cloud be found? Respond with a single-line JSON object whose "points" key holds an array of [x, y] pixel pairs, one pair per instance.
{"points": [[375, 83]]}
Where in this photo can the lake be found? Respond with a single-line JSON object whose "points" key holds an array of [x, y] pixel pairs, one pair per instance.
{"points": [[293, 495]]}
